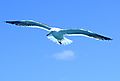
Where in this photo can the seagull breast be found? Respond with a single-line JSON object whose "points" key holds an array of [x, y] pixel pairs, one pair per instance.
{"points": [[56, 33]]}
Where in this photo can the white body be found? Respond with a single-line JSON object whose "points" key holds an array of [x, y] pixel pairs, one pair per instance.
{"points": [[57, 36]]}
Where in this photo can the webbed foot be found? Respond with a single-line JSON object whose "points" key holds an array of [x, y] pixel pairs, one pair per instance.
{"points": [[60, 43]]}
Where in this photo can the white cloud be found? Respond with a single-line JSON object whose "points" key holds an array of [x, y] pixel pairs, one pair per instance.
{"points": [[65, 55]]}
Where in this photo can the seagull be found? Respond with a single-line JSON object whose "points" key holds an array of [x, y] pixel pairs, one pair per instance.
{"points": [[58, 35]]}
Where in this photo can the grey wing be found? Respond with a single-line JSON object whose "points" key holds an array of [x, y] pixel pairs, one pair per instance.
{"points": [[84, 33], [29, 23]]}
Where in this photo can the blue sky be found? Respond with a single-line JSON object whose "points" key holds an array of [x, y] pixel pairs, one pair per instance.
{"points": [[27, 55]]}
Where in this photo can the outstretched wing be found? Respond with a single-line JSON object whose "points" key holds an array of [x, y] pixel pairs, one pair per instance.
{"points": [[84, 33], [29, 23]]}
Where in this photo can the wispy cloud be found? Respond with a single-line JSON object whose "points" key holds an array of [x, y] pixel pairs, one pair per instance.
{"points": [[65, 55]]}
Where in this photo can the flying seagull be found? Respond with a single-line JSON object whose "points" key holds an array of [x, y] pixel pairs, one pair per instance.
{"points": [[56, 34]]}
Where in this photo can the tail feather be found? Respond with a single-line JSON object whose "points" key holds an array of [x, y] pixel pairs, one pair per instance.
{"points": [[64, 41]]}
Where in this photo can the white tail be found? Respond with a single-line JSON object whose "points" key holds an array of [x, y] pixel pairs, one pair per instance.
{"points": [[64, 41]]}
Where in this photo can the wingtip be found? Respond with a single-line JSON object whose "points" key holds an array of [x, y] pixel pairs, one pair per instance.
{"points": [[111, 39], [103, 37], [10, 22], [108, 39], [6, 21]]}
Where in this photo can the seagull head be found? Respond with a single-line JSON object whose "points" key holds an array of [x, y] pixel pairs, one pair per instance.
{"points": [[55, 29]]}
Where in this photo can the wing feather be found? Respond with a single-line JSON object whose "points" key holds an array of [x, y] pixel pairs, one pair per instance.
{"points": [[84, 33], [29, 23]]}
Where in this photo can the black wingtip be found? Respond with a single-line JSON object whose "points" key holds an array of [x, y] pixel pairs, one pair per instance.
{"points": [[5, 21], [10, 22], [103, 37], [14, 22], [106, 38]]}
